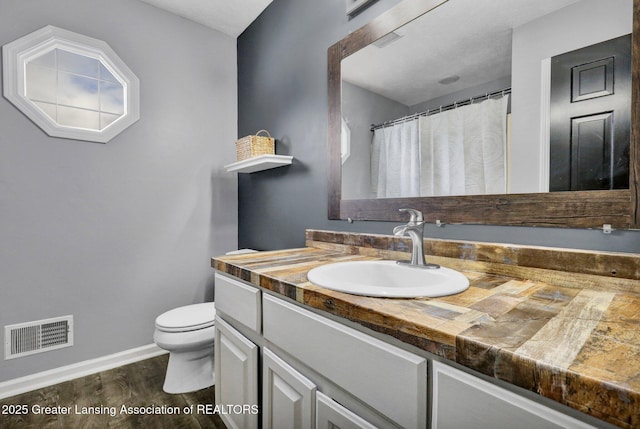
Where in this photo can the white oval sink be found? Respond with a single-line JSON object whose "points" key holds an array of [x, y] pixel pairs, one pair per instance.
{"points": [[388, 279]]}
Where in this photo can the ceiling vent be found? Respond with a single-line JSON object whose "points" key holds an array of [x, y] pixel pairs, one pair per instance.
{"points": [[39, 336], [387, 39]]}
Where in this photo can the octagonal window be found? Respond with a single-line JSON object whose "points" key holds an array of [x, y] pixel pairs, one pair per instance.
{"points": [[70, 85]]}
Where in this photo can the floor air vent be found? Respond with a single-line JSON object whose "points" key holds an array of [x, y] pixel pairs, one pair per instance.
{"points": [[38, 336]]}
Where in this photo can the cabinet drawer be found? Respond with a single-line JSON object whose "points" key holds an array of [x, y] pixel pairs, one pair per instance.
{"points": [[238, 301], [389, 379], [486, 405]]}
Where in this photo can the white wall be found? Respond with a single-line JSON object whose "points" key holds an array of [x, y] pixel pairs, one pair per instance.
{"points": [[581, 24], [362, 108], [117, 233]]}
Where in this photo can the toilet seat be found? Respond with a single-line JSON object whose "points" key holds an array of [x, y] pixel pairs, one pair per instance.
{"points": [[187, 318]]}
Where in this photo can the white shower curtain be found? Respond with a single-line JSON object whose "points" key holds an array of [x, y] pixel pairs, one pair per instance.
{"points": [[463, 151], [456, 152], [395, 161]]}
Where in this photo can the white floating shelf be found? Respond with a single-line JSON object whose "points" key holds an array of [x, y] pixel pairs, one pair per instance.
{"points": [[259, 163]]}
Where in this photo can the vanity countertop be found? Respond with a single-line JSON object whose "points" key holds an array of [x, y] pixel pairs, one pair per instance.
{"points": [[573, 337]]}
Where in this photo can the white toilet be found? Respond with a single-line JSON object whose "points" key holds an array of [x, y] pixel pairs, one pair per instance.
{"points": [[188, 334]]}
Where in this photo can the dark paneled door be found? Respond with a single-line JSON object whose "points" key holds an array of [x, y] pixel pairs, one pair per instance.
{"points": [[591, 117]]}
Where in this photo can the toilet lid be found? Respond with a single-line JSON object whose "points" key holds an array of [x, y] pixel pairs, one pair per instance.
{"points": [[187, 318]]}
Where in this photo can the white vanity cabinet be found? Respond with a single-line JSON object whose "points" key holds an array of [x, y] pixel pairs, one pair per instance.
{"points": [[384, 383], [461, 400], [236, 356], [384, 377], [317, 372]]}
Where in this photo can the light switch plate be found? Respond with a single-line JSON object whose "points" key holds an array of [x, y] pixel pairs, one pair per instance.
{"points": [[354, 6]]}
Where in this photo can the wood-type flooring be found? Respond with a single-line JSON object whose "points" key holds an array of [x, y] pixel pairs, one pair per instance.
{"points": [[97, 400]]}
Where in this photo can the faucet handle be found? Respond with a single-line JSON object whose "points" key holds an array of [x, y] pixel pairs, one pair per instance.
{"points": [[416, 215]]}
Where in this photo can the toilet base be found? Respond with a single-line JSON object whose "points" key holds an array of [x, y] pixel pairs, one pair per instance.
{"points": [[189, 371]]}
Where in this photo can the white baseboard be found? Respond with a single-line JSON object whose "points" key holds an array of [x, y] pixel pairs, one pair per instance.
{"points": [[80, 369]]}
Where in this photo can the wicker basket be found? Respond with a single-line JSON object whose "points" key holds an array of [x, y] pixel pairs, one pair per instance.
{"points": [[250, 146]]}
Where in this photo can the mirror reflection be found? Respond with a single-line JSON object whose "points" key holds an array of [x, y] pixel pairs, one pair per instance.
{"points": [[489, 97], [74, 90]]}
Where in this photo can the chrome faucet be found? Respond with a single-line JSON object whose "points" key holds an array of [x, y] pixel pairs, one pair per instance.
{"points": [[414, 229]]}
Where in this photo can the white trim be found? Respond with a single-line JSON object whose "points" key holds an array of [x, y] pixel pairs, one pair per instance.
{"points": [[545, 124], [80, 369]]}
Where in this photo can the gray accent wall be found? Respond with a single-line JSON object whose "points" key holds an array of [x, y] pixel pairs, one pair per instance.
{"points": [[282, 86], [117, 233]]}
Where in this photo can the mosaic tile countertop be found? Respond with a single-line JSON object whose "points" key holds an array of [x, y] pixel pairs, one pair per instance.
{"points": [[571, 335]]}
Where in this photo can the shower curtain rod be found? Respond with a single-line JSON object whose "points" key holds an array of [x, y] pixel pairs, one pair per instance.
{"points": [[443, 108]]}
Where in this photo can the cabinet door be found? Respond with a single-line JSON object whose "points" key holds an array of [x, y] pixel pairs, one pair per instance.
{"points": [[236, 363], [461, 400], [331, 415], [288, 397]]}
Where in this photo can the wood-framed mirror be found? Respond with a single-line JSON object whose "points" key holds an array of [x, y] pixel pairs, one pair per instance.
{"points": [[619, 208]]}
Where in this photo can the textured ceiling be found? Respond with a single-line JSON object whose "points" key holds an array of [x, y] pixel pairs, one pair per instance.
{"points": [[467, 38], [231, 17]]}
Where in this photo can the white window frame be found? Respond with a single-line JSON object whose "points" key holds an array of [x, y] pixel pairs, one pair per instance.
{"points": [[17, 54]]}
